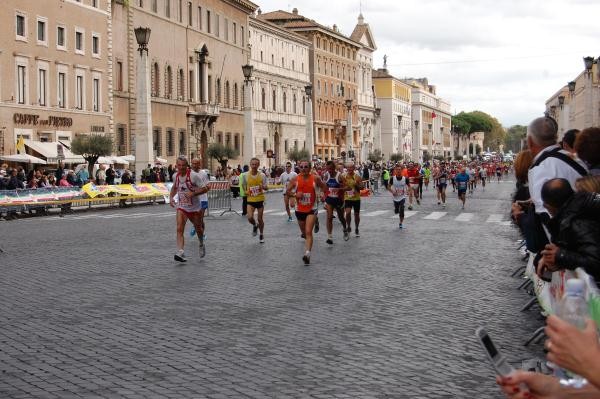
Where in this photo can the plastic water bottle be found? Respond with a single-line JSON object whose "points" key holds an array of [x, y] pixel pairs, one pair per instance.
{"points": [[573, 309]]}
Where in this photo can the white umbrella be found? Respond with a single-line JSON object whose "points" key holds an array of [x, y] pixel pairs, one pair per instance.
{"points": [[128, 158], [161, 161], [23, 158], [120, 160]]}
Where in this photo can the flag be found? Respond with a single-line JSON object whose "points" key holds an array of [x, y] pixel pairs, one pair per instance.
{"points": [[433, 115], [20, 145]]}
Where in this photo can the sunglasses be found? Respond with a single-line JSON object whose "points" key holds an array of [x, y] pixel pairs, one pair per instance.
{"points": [[305, 167]]}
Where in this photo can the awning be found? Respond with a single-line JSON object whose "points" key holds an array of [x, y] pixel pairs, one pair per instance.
{"points": [[23, 158], [48, 150], [112, 160]]}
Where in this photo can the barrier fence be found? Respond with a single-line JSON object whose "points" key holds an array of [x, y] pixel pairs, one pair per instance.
{"points": [[219, 197]]}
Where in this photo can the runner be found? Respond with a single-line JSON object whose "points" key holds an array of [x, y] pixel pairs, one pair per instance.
{"points": [[462, 181], [498, 172], [471, 173], [398, 187], [304, 187], [334, 201], [442, 179], [286, 176], [413, 181], [197, 168], [427, 175], [255, 185], [483, 177], [353, 185], [188, 186], [452, 177]]}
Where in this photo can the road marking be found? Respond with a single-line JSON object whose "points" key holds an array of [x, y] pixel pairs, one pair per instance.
{"points": [[269, 211], [407, 214], [279, 213], [435, 215], [374, 213], [506, 223], [495, 218], [464, 217]]}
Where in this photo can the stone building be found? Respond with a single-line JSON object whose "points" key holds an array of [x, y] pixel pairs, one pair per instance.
{"points": [[394, 100], [56, 74], [366, 102], [333, 69], [196, 51], [280, 59]]}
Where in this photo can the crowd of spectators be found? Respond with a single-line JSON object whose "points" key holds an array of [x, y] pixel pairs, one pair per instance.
{"points": [[557, 208]]}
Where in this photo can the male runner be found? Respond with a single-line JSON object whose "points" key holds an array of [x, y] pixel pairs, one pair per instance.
{"points": [[498, 172], [286, 176], [304, 187], [462, 181], [334, 200], [470, 171], [353, 184], [442, 179], [483, 176], [197, 168], [188, 186], [255, 185], [398, 187], [413, 181]]}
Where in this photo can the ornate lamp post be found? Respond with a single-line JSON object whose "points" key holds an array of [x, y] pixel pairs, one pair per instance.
{"points": [[144, 153], [310, 134], [248, 116], [589, 91], [416, 141], [430, 132], [349, 146]]}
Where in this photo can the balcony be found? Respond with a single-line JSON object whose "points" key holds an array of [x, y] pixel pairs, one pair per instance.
{"points": [[204, 110]]}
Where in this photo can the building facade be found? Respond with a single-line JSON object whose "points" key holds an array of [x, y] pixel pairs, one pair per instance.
{"points": [[432, 119], [333, 70], [56, 74], [394, 98], [280, 59], [366, 99], [195, 54], [577, 104]]}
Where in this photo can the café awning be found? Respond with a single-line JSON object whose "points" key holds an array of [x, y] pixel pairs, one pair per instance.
{"points": [[49, 151], [23, 158]]}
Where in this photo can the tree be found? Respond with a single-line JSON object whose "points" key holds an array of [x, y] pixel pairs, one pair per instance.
{"points": [[514, 135], [297, 155], [375, 156], [221, 153], [396, 157], [92, 147]]}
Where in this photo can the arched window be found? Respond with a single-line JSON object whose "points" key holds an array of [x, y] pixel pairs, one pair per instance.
{"points": [[243, 96], [235, 96], [303, 105], [155, 80], [274, 98], [284, 102], [169, 82], [294, 103], [180, 85], [227, 95], [218, 91], [263, 98]]}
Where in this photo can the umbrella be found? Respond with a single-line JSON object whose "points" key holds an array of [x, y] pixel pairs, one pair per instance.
{"points": [[23, 158], [128, 158], [161, 161]]}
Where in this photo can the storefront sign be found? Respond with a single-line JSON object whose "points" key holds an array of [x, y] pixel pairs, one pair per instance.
{"points": [[30, 119], [97, 129]]}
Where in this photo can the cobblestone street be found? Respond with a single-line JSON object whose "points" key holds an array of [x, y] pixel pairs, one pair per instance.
{"points": [[93, 305]]}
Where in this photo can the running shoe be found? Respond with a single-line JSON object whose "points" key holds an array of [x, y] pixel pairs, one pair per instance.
{"points": [[290, 219], [400, 226], [180, 257], [356, 233], [303, 236], [254, 230], [261, 239], [193, 232], [410, 208], [317, 226], [306, 259], [346, 235], [444, 206], [418, 202], [439, 202], [201, 248], [329, 241]]}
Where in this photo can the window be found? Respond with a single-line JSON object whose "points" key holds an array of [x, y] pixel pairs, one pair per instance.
{"points": [[235, 96], [199, 18], [180, 11], [190, 19], [228, 140], [42, 82], [42, 34], [218, 91], [121, 140], [95, 45], [217, 25], [182, 149], [180, 85], [170, 142], [284, 102], [95, 3], [79, 92], [226, 28], [60, 37], [261, 56], [21, 84], [286, 146], [236, 143], [21, 27], [272, 59], [208, 22], [303, 105], [156, 141], [169, 83], [282, 62], [191, 92], [242, 36], [168, 8], [263, 98], [96, 94], [154, 6], [293, 65], [61, 92], [155, 80], [79, 49], [264, 145], [210, 91], [227, 95], [119, 76], [295, 104], [234, 32], [274, 100]]}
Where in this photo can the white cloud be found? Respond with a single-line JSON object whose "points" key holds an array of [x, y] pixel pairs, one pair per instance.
{"points": [[504, 57]]}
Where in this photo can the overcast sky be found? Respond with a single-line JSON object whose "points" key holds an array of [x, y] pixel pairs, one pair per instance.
{"points": [[503, 57]]}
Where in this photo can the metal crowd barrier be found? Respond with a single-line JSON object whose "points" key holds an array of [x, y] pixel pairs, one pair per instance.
{"points": [[219, 197]]}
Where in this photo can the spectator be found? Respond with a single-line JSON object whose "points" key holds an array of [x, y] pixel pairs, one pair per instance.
{"points": [[83, 175], [63, 182], [587, 146], [568, 141], [110, 175], [126, 178], [170, 171], [101, 175], [14, 183], [234, 182], [523, 161], [588, 184], [574, 228], [60, 171], [72, 178]]}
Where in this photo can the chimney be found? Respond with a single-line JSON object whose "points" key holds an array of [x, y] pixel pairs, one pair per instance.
{"points": [[295, 11], [335, 28]]}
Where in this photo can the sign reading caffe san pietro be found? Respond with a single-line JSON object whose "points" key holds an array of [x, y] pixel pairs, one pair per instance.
{"points": [[35, 120]]}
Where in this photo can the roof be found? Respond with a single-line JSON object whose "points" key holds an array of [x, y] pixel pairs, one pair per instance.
{"points": [[264, 24], [381, 73], [363, 31]]}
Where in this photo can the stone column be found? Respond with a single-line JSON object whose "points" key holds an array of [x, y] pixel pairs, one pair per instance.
{"points": [[349, 135], [249, 151], [143, 115]]}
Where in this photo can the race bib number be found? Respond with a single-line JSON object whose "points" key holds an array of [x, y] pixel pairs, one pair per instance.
{"points": [[255, 191], [306, 199], [397, 192], [442, 180], [185, 199], [350, 193], [462, 184], [333, 192]]}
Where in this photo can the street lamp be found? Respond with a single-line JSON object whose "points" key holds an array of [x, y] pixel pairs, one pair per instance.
{"points": [[561, 101], [249, 151], [349, 138], [571, 85], [588, 62], [309, 134], [144, 153], [142, 36]]}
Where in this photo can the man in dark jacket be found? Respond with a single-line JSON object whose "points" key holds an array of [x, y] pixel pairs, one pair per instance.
{"points": [[574, 227]]}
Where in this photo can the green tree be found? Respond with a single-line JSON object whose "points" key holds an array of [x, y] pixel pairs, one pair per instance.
{"points": [[297, 155], [221, 153], [92, 147], [514, 135], [396, 157], [375, 156]]}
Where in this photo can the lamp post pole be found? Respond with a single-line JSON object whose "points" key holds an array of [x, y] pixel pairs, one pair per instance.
{"points": [[400, 137], [572, 85], [143, 113], [310, 134], [416, 142], [430, 126], [589, 104], [349, 146], [248, 115]]}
